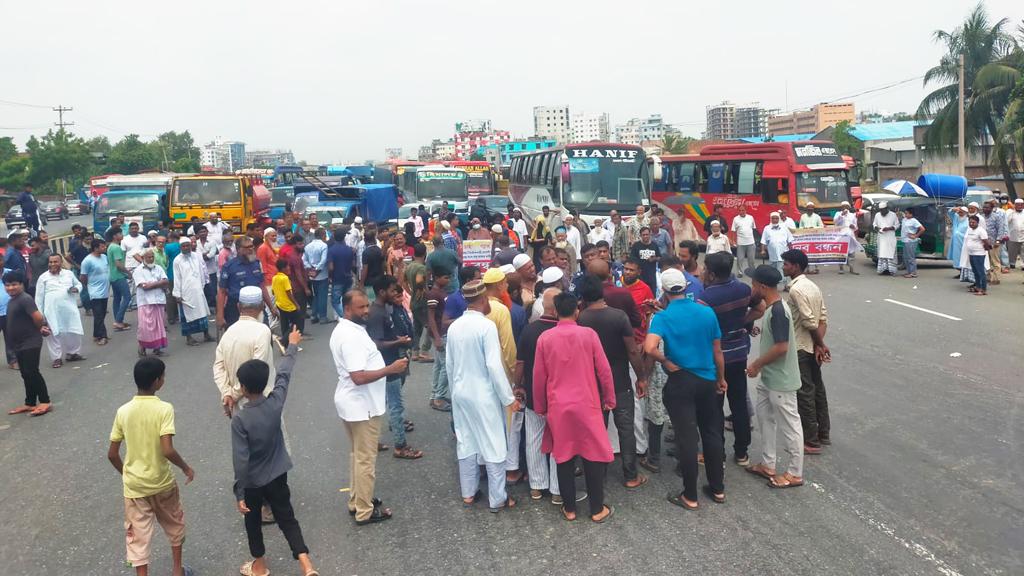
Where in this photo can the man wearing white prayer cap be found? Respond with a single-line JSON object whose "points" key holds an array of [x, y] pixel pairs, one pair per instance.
{"points": [[885, 223]]}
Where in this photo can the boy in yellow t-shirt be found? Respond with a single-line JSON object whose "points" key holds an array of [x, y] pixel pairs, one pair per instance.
{"points": [[281, 287], [146, 425]]}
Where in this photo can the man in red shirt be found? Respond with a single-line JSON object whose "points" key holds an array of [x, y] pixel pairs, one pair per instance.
{"points": [[641, 293]]}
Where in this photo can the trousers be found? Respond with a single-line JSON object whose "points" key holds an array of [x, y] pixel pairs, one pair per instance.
{"points": [[995, 270], [60, 344], [99, 317], [593, 473], [396, 411], [7, 344], [623, 416], [777, 412], [420, 332], [277, 495], [542, 469], [745, 258], [469, 479], [363, 436], [812, 401], [319, 288], [338, 289], [288, 319], [1013, 250], [978, 268], [910, 255], [514, 437], [693, 407], [739, 405], [35, 385], [122, 299], [440, 389]]}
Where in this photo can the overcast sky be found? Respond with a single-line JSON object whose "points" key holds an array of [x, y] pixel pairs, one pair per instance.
{"points": [[340, 81]]}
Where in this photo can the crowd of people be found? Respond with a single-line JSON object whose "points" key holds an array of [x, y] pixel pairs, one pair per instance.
{"points": [[550, 359]]}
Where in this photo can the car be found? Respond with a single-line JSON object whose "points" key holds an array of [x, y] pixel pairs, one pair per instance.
{"points": [[54, 210], [14, 219], [76, 206]]}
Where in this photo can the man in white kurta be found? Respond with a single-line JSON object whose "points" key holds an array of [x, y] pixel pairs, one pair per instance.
{"points": [[480, 391], [846, 221], [775, 239], [56, 291], [190, 279], [885, 224], [247, 339]]}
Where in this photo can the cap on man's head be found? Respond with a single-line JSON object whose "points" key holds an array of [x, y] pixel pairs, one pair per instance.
{"points": [[844, 203], [973, 205], [446, 224], [268, 230], [673, 281], [473, 288], [767, 275], [250, 295], [185, 240], [493, 276], [1019, 201], [212, 214], [497, 229], [507, 269], [514, 210], [15, 232], [522, 260], [358, 220], [151, 233], [569, 217], [883, 204], [551, 275], [809, 205]]}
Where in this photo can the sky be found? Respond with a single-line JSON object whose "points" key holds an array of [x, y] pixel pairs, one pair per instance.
{"points": [[338, 82]]}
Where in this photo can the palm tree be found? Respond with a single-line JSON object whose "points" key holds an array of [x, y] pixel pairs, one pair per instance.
{"points": [[673, 144], [1001, 86], [981, 42]]}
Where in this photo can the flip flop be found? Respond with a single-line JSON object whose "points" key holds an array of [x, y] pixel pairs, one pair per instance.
{"points": [[565, 515], [717, 498], [774, 483], [375, 501], [510, 502], [677, 499], [476, 498], [41, 409], [246, 570], [21, 410], [611, 512], [643, 480], [57, 364]]}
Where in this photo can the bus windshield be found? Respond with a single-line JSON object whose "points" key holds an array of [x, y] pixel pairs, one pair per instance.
{"points": [[281, 195], [452, 185], [481, 183], [128, 203], [823, 187], [207, 192], [602, 184]]}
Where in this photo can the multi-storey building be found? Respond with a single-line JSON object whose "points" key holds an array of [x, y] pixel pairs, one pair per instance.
{"points": [[811, 121], [589, 127], [268, 158], [552, 122]]}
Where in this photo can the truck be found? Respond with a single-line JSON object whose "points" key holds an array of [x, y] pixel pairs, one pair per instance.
{"points": [[139, 198], [239, 199], [373, 202]]}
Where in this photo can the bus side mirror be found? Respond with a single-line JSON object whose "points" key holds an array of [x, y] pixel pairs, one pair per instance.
{"points": [[565, 174], [657, 173]]}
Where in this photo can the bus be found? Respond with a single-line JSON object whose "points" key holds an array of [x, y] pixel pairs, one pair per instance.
{"points": [[481, 176], [593, 178], [766, 177], [239, 199], [437, 183], [395, 172]]}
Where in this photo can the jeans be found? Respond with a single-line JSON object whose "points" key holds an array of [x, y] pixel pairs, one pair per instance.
{"points": [[693, 405], [396, 411], [910, 255], [440, 389], [812, 401], [35, 385], [288, 319], [736, 378], [593, 473], [122, 298], [99, 317], [277, 495], [319, 288], [745, 258], [338, 290], [623, 414], [978, 268]]}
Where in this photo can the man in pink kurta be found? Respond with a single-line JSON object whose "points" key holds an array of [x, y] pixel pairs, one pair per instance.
{"points": [[572, 387]]}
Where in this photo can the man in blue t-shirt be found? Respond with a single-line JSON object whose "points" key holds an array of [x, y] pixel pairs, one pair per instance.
{"points": [[696, 376], [341, 265]]}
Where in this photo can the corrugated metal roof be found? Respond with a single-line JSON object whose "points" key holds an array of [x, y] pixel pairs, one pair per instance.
{"points": [[781, 138], [884, 130]]}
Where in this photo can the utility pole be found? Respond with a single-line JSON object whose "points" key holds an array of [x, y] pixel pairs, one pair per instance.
{"points": [[60, 110], [961, 138]]}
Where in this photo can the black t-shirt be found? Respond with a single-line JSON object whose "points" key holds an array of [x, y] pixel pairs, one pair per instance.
{"points": [[380, 326], [648, 269], [435, 303], [612, 327], [373, 261], [526, 350], [22, 333]]}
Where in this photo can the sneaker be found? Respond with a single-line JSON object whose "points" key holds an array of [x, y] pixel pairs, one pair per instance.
{"points": [[814, 450], [741, 461], [825, 440], [536, 494]]}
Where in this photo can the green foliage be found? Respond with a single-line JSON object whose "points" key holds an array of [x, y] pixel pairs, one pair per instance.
{"points": [[476, 156], [845, 141], [675, 144], [130, 156], [57, 155], [13, 168]]}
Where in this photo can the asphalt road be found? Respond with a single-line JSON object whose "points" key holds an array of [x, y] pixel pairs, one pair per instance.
{"points": [[61, 227], [924, 476]]}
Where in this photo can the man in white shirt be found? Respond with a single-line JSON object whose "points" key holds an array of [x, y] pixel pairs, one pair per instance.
{"points": [[810, 219], [847, 222], [215, 229], [360, 400], [572, 236], [1015, 226], [885, 224], [598, 233], [518, 225], [775, 239], [133, 244], [208, 250], [743, 226]]}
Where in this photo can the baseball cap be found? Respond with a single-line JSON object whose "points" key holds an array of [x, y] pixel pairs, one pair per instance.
{"points": [[673, 281]]}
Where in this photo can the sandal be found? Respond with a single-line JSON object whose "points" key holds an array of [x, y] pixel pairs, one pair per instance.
{"points": [[376, 504], [102, 341], [406, 453], [785, 481], [57, 363], [761, 470], [678, 500], [566, 514], [642, 480], [509, 503], [40, 410], [719, 498], [646, 463], [75, 358], [246, 570], [21, 409], [469, 502], [409, 426], [382, 447], [611, 512], [379, 514]]}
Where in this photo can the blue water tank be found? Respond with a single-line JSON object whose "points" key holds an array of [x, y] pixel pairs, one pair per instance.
{"points": [[943, 185]]}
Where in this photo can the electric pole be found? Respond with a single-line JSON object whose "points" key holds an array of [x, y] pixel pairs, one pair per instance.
{"points": [[60, 110], [961, 139]]}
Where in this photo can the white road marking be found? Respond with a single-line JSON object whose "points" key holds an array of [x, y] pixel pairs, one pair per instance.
{"points": [[925, 310], [918, 550]]}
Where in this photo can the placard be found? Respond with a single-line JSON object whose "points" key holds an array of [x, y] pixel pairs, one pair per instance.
{"points": [[823, 246], [476, 253]]}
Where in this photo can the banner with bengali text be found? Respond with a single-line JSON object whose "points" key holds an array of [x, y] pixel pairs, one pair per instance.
{"points": [[476, 253], [823, 246]]}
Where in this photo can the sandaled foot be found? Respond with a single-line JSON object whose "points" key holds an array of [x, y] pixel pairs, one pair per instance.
{"points": [[536, 494], [682, 502], [761, 470], [382, 447], [604, 515], [718, 497], [57, 364], [635, 483], [650, 466], [407, 453], [22, 409], [569, 516], [468, 502], [379, 514], [440, 405], [75, 358], [40, 410], [246, 570], [510, 502], [786, 480]]}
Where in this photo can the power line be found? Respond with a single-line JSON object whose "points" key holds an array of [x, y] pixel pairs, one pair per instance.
{"points": [[60, 110], [12, 103]]}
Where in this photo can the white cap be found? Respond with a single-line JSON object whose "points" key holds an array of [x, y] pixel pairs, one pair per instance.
{"points": [[673, 281], [883, 204], [185, 240], [151, 233], [358, 220], [522, 260], [973, 205], [844, 203], [212, 214], [268, 230], [713, 222], [1019, 201], [569, 217], [507, 269], [809, 205], [447, 225], [551, 275], [497, 229], [250, 295], [16, 232]]}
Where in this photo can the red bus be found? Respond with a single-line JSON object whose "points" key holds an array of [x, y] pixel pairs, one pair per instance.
{"points": [[98, 185], [481, 175], [766, 177]]}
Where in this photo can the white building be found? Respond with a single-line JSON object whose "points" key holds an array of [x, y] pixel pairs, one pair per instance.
{"points": [[589, 127], [552, 122], [639, 130], [444, 150], [268, 158], [223, 156]]}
